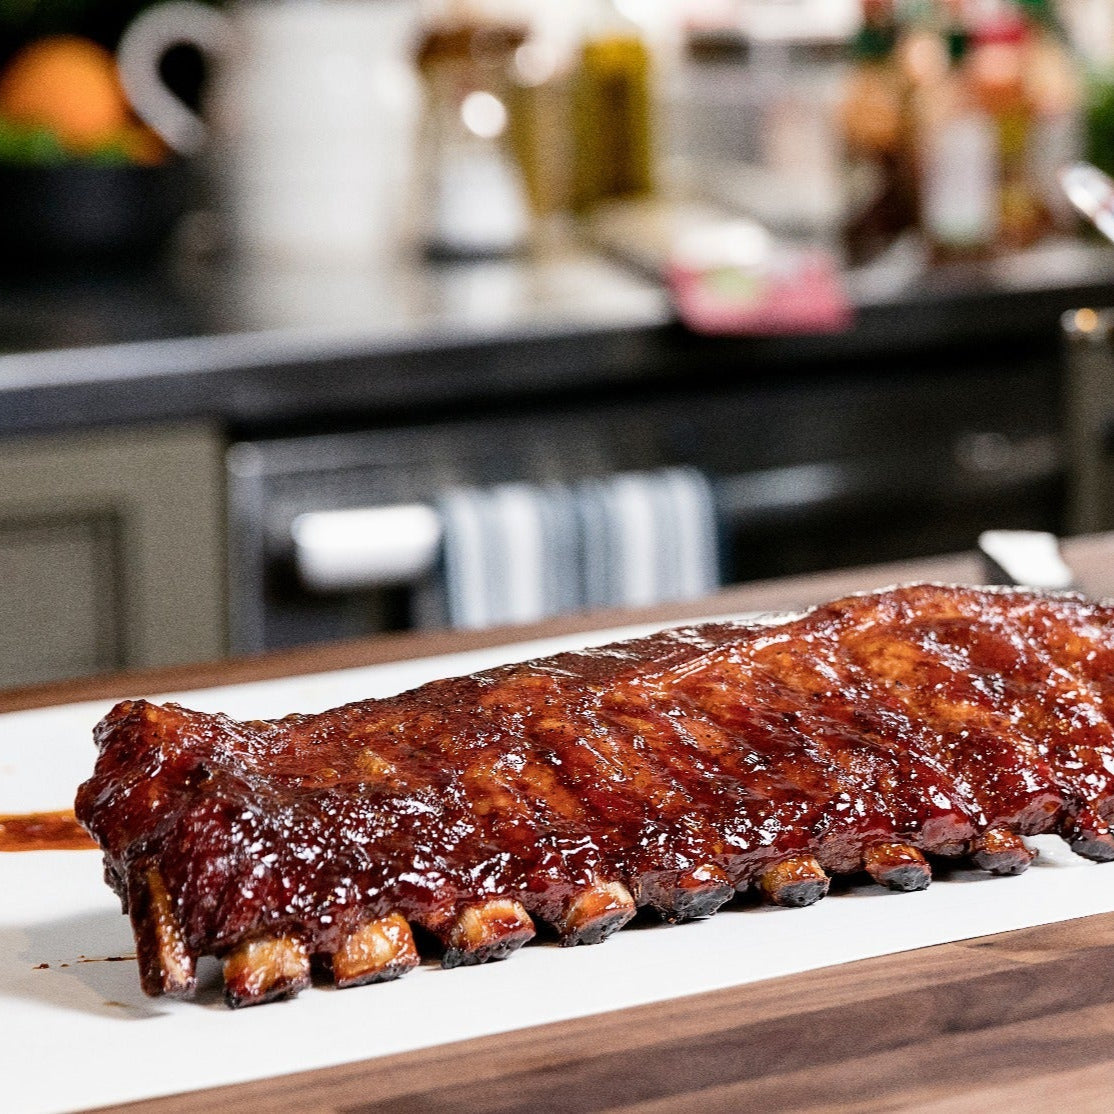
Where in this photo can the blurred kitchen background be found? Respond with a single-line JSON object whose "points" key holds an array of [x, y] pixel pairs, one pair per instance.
{"points": [[321, 318]]}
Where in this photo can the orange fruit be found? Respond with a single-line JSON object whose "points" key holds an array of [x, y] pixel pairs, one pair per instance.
{"points": [[141, 145], [67, 84]]}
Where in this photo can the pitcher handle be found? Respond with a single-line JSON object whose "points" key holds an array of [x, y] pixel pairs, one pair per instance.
{"points": [[142, 47]]}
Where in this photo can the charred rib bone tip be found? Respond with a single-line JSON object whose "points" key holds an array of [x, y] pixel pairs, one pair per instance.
{"points": [[1001, 852], [166, 964], [1097, 845], [595, 914], [378, 951], [265, 969], [898, 867], [795, 882], [687, 895], [487, 932]]}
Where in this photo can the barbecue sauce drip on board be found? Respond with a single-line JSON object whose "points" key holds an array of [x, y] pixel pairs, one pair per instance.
{"points": [[44, 831], [667, 772]]}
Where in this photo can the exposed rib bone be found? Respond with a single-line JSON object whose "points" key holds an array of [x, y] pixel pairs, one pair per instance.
{"points": [[1088, 836], [687, 895], [949, 849], [898, 866], [166, 964], [595, 913], [1001, 852], [486, 932], [795, 882], [264, 969], [376, 952]]}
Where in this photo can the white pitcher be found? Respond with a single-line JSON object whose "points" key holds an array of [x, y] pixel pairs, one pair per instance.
{"points": [[309, 121]]}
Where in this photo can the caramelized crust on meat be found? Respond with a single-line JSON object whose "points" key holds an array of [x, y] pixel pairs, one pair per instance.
{"points": [[667, 772]]}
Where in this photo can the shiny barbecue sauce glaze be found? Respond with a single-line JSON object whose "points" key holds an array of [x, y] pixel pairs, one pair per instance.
{"points": [[44, 831], [923, 715]]}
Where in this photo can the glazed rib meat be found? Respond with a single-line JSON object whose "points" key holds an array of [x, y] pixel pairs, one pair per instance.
{"points": [[670, 772]]}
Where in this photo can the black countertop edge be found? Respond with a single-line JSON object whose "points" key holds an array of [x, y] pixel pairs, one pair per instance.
{"points": [[630, 339]]}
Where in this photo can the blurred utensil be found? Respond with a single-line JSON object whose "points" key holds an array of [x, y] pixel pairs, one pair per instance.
{"points": [[1030, 558], [1091, 192]]}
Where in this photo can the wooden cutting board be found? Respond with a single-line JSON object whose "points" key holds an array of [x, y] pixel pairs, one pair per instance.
{"points": [[1021, 1021]]}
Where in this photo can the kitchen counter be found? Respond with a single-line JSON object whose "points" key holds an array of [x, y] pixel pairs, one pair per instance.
{"points": [[258, 349], [1017, 1020], [239, 347]]}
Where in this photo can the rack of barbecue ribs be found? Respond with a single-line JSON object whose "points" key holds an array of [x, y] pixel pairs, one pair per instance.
{"points": [[668, 773]]}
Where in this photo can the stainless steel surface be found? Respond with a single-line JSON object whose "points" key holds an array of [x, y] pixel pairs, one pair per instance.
{"points": [[807, 476], [1089, 419], [368, 547], [1091, 192]]}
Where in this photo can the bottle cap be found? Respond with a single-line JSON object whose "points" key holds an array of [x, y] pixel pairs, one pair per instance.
{"points": [[958, 43]]}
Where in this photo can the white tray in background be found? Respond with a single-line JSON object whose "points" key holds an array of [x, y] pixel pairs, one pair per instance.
{"points": [[84, 1035]]}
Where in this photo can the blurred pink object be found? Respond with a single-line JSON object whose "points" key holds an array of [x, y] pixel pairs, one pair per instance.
{"points": [[736, 280]]}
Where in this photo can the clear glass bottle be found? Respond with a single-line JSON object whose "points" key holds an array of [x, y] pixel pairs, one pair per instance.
{"points": [[957, 160], [475, 199]]}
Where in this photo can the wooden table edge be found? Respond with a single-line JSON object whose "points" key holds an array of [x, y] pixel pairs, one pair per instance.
{"points": [[848, 1021], [789, 594]]}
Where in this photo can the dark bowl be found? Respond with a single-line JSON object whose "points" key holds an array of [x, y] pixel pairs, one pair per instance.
{"points": [[76, 211]]}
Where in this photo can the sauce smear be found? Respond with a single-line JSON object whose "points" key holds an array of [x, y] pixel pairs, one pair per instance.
{"points": [[44, 831]]}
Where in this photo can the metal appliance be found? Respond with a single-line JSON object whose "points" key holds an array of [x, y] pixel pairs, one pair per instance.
{"points": [[810, 472]]}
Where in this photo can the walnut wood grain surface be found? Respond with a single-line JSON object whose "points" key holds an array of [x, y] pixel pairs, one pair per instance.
{"points": [[1019, 1021]]}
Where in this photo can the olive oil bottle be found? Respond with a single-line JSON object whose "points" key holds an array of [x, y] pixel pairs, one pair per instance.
{"points": [[612, 111]]}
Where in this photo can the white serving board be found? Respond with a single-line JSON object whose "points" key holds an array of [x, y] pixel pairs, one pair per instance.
{"points": [[84, 1035]]}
